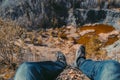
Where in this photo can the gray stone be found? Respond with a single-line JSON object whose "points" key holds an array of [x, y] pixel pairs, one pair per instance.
{"points": [[113, 51]]}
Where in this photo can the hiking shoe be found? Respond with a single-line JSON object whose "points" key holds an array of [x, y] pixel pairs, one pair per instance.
{"points": [[61, 57], [80, 56]]}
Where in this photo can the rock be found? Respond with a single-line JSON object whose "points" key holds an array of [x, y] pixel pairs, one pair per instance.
{"points": [[86, 31], [19, 43], [113, 51], [90, 16], [75, 36], [102, 4], [103, 37], [71, 73], [27, 40]]}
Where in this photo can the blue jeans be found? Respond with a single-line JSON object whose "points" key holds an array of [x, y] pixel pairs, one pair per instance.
{"points": [[46, 70], [101, 70], [95, 70]]}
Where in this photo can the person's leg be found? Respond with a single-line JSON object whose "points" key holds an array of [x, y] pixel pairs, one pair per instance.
{"points": [[101, 70], [97, 70], [90, 68], [29, 71], [86, 66], [109, 71], [46, 70]]}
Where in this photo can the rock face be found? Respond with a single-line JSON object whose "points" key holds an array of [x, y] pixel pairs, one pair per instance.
{"points": [[34, 14], [102, 4], [114, 51]]}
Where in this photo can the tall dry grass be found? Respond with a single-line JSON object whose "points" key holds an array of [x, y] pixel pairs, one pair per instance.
{"points": [[9, 32]]}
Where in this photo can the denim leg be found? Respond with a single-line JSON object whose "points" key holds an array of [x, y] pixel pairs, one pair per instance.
{"points": [[101, 70], [46, 70], [88, 67], [109, 71]]}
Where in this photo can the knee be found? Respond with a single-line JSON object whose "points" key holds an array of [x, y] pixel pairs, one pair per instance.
{"points": [[23, 69], [109, 68], [26, 66], [111, 65]]}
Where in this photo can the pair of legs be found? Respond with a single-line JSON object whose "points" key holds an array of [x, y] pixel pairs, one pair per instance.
{"points": [[48, 70]]}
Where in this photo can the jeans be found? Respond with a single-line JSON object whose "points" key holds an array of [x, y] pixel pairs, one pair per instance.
{"points": [[46, 70], [100, 70]]}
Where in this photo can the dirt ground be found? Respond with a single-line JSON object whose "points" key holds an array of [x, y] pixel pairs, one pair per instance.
{"points": [[43, 45]]}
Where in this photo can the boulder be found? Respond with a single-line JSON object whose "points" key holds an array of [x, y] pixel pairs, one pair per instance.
{"points": [[113, 51]]}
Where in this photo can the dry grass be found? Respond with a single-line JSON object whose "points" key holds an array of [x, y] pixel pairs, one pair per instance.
{"points": [[9, 32]]}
